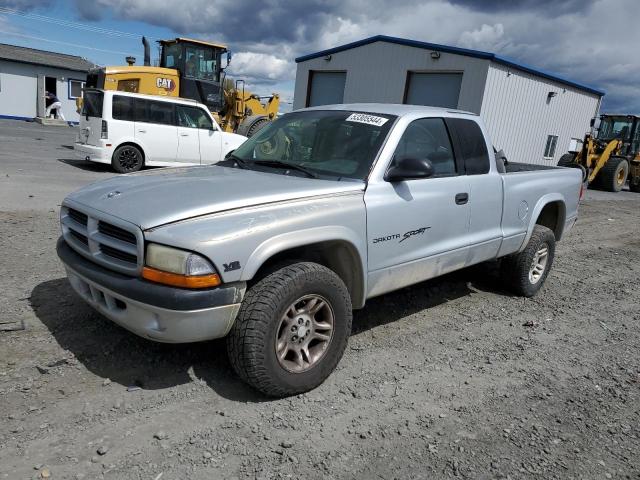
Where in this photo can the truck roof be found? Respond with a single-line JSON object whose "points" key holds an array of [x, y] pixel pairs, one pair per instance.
{"points": [[390, 109]]}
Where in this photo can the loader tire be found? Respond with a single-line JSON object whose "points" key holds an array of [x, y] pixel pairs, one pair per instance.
{"points": [[291, 330], [566, 160], [634, 184], [524, 273], [613, 175]]}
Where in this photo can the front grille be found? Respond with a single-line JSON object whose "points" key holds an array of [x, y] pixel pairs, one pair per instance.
{"points": [[119, 254], [80, 237], [114, 244], [79, 217], [116, 232]]}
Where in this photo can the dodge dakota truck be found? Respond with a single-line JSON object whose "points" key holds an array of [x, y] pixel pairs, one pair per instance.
{"points": [[325, 208]]}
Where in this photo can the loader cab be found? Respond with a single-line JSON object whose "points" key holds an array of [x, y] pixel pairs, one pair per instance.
{"points": [[199, 66], [621, 127]]}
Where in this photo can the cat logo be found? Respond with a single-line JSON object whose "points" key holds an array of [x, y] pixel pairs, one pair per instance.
{"points": [[165, 83]]}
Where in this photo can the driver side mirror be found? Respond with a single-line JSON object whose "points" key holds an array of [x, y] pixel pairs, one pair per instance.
{"points": [[409, 168]]}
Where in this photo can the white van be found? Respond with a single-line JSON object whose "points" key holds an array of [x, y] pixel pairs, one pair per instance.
{"points": [[129, 131]]}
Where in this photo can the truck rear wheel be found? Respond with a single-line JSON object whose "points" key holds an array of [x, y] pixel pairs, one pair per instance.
{"points": [[524, 273], [613, 175], [291, 330]]}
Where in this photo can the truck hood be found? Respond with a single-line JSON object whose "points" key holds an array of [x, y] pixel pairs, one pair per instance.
{"points": [[161, 196]]}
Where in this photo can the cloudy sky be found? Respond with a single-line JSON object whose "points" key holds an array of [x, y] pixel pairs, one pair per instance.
{"points": [[589, 41]]}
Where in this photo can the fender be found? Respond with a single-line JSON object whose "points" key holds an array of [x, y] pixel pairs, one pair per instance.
{"points": [[542, 202], [300, 238]]}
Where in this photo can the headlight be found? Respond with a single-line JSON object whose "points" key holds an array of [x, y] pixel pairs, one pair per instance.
{"points": [[178, 268]]}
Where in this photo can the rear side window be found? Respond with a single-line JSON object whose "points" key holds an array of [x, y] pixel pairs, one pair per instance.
{"points": [[92, 104], [122, 108], [428, 138], [471, 145], [154, 112]]}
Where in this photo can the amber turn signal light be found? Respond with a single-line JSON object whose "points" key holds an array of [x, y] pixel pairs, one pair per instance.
{"points": [[183, 281]]}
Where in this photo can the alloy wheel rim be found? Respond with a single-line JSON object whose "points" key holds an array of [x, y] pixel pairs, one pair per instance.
{"points": [[539, 264], [128, 158], [304, 333]]}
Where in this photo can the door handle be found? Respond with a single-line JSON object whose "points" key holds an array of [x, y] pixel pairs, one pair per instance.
{"points": [[184, 134], [462, 198], [142, 131]]}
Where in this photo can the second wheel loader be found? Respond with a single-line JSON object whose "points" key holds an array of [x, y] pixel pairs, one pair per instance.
{"points": [[610, 157]]}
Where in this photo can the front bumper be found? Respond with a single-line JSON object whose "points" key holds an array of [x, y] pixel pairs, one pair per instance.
{"points": [[157, 312], [92, 153]]}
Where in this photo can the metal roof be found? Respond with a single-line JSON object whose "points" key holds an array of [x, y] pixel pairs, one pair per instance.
{"points": [[455, 50], [42, 57]]}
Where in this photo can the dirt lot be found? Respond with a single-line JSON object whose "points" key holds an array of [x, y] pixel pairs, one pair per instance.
{"points": [[448, 378]]}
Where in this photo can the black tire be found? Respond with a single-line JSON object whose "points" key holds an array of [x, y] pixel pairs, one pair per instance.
{"points": [[566, 160], [634, 184], [251, 344], [257, 126], [516, 268], [127, 159], [613, 175]]}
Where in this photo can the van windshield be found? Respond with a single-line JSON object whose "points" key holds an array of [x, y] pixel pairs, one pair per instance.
{"points": [[327, 143], [92, 104]]}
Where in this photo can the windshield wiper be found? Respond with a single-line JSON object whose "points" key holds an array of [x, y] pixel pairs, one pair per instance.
{"points": [[290, 166], [239, 161]]}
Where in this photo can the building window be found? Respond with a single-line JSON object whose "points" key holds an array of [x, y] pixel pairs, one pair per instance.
{"points": [[75, 89], [550, 148]]}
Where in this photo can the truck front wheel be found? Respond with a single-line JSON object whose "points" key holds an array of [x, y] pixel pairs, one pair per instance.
{"points": [[524, 273], [291, 330]]}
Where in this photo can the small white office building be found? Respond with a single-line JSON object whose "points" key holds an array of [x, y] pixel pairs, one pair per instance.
{"points": [[25, 75], [534, 116]]}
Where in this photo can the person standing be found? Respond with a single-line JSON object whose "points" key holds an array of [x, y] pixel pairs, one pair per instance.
{"points": [[53, 104]]}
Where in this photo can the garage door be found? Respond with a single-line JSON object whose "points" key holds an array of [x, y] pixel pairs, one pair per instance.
{"points": [[326, 88], [434, 89]]}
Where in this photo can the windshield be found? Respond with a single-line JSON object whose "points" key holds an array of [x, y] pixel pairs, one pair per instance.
{"points": [[327, 143], [611, 127]]}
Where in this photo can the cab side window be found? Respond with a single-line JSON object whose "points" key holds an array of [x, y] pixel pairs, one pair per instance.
{"points": [[471, 145], [427, 138], [192, 117]]}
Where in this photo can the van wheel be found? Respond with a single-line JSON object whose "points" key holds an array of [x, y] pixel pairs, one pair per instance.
{"points": [[524, 273], [127, 159], [291, 330]]}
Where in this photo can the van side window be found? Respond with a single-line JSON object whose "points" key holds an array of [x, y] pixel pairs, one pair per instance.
{"points": [[160, 112], [193, 117], [122, 108], [428, 138], [472, 145]]}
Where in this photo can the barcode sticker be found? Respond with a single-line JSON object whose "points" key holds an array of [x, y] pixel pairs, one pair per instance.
{"points": [[368, 119]]}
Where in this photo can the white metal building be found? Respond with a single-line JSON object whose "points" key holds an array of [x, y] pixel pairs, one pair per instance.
{"points": [[25, 75], [533, 115]]}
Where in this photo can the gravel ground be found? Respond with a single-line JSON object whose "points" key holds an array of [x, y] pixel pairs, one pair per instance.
{"points": [[449, 378]]}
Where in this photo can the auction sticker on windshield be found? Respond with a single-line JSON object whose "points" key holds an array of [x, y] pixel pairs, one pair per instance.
{"points": [[368, 119]]}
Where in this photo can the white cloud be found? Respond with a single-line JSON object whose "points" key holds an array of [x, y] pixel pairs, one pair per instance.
{"points": [[487, 37], [261, 67]]}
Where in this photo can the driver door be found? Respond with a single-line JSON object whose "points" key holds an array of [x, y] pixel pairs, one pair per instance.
{"points": [[418, 229]]}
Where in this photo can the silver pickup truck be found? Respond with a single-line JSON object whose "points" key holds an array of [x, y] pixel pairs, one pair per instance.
{"points": [[321, 210]]}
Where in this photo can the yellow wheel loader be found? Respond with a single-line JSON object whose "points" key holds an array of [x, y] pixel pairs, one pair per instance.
{"points": [[611, 156], [191, 69]]}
